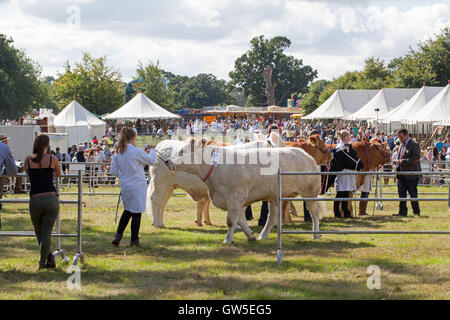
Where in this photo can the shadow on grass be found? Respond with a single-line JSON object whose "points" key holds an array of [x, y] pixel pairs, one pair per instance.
{"points": [[157, 284]]}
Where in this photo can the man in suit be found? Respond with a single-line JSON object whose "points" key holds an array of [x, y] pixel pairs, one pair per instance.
{"points": [[408, 160]]}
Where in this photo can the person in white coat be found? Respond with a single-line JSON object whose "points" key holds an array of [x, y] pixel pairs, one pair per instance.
{"points": [[344, 184], [128, 164]]}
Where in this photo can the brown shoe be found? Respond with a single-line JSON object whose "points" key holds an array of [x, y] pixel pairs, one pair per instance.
{"points": [[362, 208], [50, 264], [116, 240]]}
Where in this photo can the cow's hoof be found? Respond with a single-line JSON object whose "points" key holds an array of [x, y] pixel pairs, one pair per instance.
{"points": [[198, 224], [316, 236], [208, 223], [261, 237], [252, 238], [226, 242]]}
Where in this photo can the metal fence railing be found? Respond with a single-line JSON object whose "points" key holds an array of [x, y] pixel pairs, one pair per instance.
{"points": [[280, 198], [57, 234]]}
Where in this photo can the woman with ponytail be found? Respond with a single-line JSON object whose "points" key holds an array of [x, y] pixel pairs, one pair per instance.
{"points": [[41, 167], [128, 164]]}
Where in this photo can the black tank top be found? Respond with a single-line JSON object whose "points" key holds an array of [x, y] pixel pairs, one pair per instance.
{"points": [[41, 179]]}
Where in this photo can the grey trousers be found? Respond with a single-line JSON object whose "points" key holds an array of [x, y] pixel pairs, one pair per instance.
{"points": [[43, 212]]}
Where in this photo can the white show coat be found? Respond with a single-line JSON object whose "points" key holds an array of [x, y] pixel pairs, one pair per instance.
{"points": [[347, 182], [129, 167]]}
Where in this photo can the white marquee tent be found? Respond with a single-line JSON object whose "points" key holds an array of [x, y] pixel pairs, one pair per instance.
{"points": [[46, 113], [79, 124], [422, 97], [386, 100], [141, 107], [435, 110], [342, 104]]}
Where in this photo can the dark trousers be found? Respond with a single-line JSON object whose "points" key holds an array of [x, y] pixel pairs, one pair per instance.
{"points": [[306, 213], [43, 213], [341, 194], [264, 213], [135, 224], [407, 186], [249, 213]]}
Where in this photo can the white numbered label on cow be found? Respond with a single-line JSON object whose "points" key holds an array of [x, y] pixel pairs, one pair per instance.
{"points": [[215, 158]]}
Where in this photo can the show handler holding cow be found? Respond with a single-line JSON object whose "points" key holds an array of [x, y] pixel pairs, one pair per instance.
{"points": [[344, 184], [128, 164]]}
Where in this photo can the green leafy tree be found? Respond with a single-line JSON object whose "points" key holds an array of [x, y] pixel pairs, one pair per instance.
{"points": [[376, 75], [96, 86], [311, 100], [154, 83], [348, 80], [198, 91], [21, 85], [289, 74], [430, 63]]}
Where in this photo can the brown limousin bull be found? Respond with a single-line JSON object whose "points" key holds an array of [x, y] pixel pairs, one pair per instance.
{"points": [[317, 149]]}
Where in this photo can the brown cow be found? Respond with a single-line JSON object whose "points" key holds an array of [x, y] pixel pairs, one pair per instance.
{"points": [[374, 154], [317, 149]]}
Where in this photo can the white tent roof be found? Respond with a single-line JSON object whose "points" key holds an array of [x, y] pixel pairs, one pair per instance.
{"points": [[75, 115], [387, 116], [342, 103], [385, 100], [46, 114], [141, 107], [435, 110], [421, 98]]}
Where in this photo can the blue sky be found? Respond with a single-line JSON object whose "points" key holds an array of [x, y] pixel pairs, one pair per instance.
{"points": [[197, 36]]}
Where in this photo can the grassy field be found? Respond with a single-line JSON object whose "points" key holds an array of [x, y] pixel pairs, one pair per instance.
{"points": [[184, 261]]}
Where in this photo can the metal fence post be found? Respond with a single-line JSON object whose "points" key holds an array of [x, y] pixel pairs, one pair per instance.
{"points": [[381, 192], [448, 182], [59, 250], [279, 209], [79, 255]]}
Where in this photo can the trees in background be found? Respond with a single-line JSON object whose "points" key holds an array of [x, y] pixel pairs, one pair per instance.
{"points": [[261, 76], [21, 85], [154, 83], [289, 75], [198, 91], [430, 63], [96, 86]]}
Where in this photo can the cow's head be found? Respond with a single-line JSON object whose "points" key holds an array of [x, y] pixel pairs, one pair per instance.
{"points": [[319, 150], [384, 153], [191, 151], [373, 154]]}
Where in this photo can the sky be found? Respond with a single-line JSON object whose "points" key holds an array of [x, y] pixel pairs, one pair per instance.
{"points": [[189, 37]]}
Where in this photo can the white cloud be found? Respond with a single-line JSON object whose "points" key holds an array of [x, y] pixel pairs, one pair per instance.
{"points": [[193, 36]]}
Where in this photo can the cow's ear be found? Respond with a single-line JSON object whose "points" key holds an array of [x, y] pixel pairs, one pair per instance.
{"points": [[313, 140], [204, 142]]}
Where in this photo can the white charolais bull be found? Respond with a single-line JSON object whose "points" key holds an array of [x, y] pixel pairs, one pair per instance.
{"points": [[244, 176], [163, 181]]}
